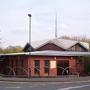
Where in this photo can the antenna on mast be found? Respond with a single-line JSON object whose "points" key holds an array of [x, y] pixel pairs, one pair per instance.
{"points": [[56, 26]]}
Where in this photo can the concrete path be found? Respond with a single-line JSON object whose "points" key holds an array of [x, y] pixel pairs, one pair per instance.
{"points": [[65, 79]]}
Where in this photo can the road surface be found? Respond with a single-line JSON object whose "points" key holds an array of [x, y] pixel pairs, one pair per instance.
{"points": [[44, 85]]}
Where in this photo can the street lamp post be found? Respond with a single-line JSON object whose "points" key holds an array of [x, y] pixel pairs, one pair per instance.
{"points": [[29, 15], [56, 26]]}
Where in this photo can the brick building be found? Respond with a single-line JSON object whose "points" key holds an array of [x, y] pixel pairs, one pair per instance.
{"points": [[48, 58]]}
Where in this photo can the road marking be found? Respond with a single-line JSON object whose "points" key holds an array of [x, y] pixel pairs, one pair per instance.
{"points": [[69, 88]]}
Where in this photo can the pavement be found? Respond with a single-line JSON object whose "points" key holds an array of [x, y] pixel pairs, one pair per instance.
{"points": [[59, 79]]}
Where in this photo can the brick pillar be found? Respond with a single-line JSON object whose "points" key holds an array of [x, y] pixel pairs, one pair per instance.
{"points": [[42, 68], [52, 72], [53, 69], [32, 67], [72, 66], [18, 65], [29, 70]]}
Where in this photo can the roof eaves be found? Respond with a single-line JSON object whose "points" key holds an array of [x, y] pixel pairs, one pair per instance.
{"points": [[41, 45], [83, 46], [57, 45], [50, 41], [72, 45]]}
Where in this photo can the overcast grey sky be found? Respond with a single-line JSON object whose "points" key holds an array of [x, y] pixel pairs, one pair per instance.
{"points": [[73, 19]]}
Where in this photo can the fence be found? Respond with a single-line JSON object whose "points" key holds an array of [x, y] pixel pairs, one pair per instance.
{"points": [[26, 72]]}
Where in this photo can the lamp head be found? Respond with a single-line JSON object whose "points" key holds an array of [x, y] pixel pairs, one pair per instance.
{"points": [[29, 15]]}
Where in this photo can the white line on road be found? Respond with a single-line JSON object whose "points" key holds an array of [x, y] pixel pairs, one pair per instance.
{"points": [[69, 88]]}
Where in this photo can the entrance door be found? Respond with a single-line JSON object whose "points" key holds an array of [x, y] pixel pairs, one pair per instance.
{"points": [[62, 67]]}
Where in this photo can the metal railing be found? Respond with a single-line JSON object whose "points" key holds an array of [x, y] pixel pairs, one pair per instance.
{"points": [[27, 72]]}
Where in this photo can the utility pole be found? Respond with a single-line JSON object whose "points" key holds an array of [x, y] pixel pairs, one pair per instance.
{"points": [[29, 15], [56, 26]]}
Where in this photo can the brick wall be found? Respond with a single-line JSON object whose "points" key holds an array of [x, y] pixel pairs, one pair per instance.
{"points": [[72, 66], [28, 63]]}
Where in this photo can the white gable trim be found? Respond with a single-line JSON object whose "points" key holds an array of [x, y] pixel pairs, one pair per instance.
{"points": [[80, 44], [47, 43]]}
